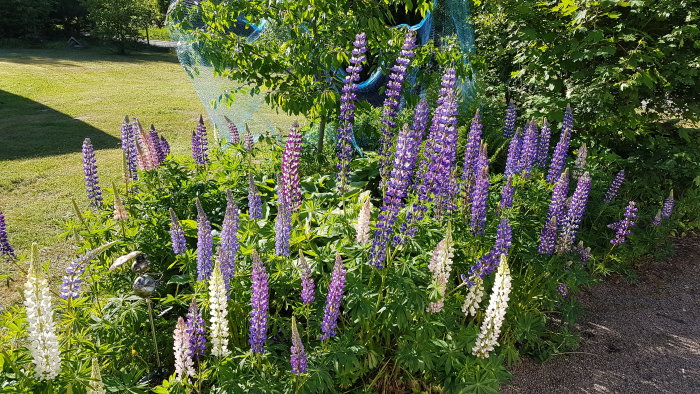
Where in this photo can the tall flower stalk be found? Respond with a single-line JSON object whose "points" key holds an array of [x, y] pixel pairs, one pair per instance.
{"points": [[495, 313], [217, 308], [204, 244], [489, 262], [562, 148], [194, 325], [509, 124], [667, 208], [259, 303], [177, 234], [514, 149], [335, 295], [529, 149], [145, 147], [507, 193], [283, 222], [614, 187], [580, 162], [362, 227], [298, 359], [92, 183], [200, 144], [234, 137], [71, 281], [228, 249], [184, 366], [479, 194], [347, 111], [625, 227], [96, 385], [129, 147], [254, 199], [440, 266], [5, 247], [290, 168], [307, 281], [574, 214], [471, 153], [543, 144]]}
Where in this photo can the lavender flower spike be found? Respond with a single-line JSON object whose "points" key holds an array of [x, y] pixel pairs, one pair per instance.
{"points": [[307, 282], [200, 140], [204, 244], [70, 286], [506, 195], [614, 187], [657, 219], [259, 303], [92, 184], [471, 153], [129, 148], [574, 214], [528, 149], [625, 227], [509, 126], [479, 196], [194, 326], [5, 247], [233, 136], [333, 299], [283, 222], [548, 236], [543, 144], [514, 149], [184, 366], [580, 163], [560, 151], [347, 111], [248, 142], [177, 234], [290, 168], [298, 358], [254, 199], [667, 209], [557, 205], [229, 246]]}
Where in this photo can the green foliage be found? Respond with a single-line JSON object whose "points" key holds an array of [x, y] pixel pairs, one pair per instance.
{"points": [[24, 18], [120, 20]]}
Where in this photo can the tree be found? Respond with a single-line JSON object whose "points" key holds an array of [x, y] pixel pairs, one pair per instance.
{"points": [[119, 20], [24, 18]]}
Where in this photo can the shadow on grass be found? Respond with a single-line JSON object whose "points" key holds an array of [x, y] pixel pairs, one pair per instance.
{"points": [[72, 57], [29, 129]]}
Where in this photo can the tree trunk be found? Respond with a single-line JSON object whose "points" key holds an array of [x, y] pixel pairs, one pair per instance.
{"points": [[321, 135]]}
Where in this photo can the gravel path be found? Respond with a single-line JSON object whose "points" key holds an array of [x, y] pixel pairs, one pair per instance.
{"points": [[641, 337]]}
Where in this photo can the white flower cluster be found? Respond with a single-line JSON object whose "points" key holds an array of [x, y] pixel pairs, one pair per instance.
{"points": [[184, 366], [96, 386], [43, 343], [363, 222], [495, 313], [219, 321], [441, 266], [474, 296]]}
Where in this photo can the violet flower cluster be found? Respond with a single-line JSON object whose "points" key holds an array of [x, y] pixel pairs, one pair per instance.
{"points": [[298, 358], [625, 227], [234, 136], [391, 103], [471, 153], [667, 208], [479, 194], [160, 145], [556, 214], [129, 146], [146, 146], [248, 142], [290, 168], [514, 149], [92, 183], [562, 148], [194, 326], [5, 247], [574, 213], [543, 144], [614, 187], [307, 282], [507, 195], [204, 244], [347, 111], [70, 283], [335, 295], [228, 249], [420, 122], [199, 143], [177, 234], [489, 262], [259, 300], [283, 222], [254, 199], [509, 126], [528, 149], [184, 366]]}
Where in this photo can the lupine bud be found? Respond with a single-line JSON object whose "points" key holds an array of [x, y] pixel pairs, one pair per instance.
{"points": [[92, 184], [41, 331], [184, 366], [259, 304], [290, 168], [204, 244], [580, 162], [495, 313], [298, 358], [5, 247], [474, 296], [233, 136], [625, 227], [217, 309], [657, 219], [440, 266], [363, 222], [543, 144], [177, 234], [195, 330], [307, 282], [560, 151], [667, 209], [514, 149], [509, 126], [164, 146], [335, 295], [347, 111], [228, 249], [574, 213]]}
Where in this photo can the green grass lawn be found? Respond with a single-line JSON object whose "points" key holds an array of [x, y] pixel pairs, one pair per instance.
{"points": [[50, 100]]}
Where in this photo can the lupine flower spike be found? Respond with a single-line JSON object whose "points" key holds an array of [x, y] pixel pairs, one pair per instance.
{"points": [[495, 313], [347, 111], [259, 303], [298, 358], [657, 219], [563, 290], [119, 209], [509, 126], [248, 141], [583, 251], [479, 195], [145, 148], [228, 249], [335, 295], [5, 247], [514, 149], [474, 296], [580, 163], [529, 149], [440, 266], [254, 199], [194, 325], [204, 244], [96, 385], [41, 329], [217, 309], [543, 144], [614, 187], [234, 136], [489, 262], [307, 282], [290, 168], [506, 195], [562, 148], [471, 153], [129, 148], [574, 214], [363, 218], [184, 366], [199, 143], [177, 234], [625, 228], [92, 183], [71, 281], [283, 222], [667, 209]]}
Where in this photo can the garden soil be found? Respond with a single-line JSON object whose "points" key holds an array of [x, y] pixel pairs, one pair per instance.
{"points": [[640, 336]]}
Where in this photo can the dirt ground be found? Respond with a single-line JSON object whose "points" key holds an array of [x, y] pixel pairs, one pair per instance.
{"points": [[640, 337]]}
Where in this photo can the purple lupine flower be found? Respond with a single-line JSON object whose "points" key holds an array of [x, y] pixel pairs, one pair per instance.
{"points": [[146, 150], [471, 153], [514, 149], [195, 147], [204, 244], [347, 111], [489, 262], [290, 168], [92, 184], [155, 142], [615, 225], [129, 148], [614, 187], [543, 144], [70, 283], [580, 162], [194, 326], [298, 358], [391, 104], [200, 143], [563, 290], [625, 228], [507, 195], [509, 126], [259, 300], [5, 247], [562, 148], [657, 219], [307, 282], [667, 208], [283, 222], [548, 236], [574, 213], [164, 146], [177, 234], [479, 194], [584, 252], [229, 246], [407, 146], [528, 149], [557, 205], [335, 295], [254, 199], [233, 136], [248, 142]]}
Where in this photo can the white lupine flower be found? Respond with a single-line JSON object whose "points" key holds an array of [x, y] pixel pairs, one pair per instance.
{"points": [[184, 366], [495, 313], [96, 386], [42, 340], [363, 222], [441, 266], [474, 297], [219, 320]]}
